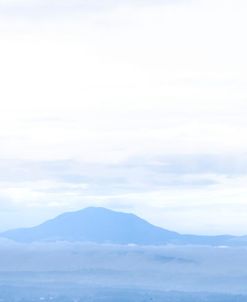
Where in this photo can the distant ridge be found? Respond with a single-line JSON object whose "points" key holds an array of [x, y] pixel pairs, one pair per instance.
{"points": [[101, 225]]}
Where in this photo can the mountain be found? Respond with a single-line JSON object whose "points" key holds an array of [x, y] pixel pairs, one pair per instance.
{"points": [[94, 225], [101, 225]]}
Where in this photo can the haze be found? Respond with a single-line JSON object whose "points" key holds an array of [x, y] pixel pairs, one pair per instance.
{"points": [[138, 106]]}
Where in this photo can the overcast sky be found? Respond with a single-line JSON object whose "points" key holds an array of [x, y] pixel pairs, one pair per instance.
{"points": [[138, 106]]}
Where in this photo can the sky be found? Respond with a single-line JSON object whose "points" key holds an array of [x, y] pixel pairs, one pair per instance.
{"points": [[138, 106]]}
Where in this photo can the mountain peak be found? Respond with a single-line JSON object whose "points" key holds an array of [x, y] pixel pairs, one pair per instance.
{"points": [[94, 224], [101, 225]]}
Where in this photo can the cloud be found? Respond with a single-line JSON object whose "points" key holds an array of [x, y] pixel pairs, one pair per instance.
{"points": [[74, 5], [160, 189], [125, 104]]}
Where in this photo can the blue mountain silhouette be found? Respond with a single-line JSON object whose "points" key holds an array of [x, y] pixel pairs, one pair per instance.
{"points": [[102, 225]]}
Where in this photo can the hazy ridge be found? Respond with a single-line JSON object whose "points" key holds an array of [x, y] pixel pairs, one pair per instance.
{"points": [[100, 225]]}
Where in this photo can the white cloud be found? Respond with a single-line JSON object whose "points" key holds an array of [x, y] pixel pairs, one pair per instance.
{"points": [[124, 81]]}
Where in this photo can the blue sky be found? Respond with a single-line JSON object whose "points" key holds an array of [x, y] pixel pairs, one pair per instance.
{"points": [[138, 106]]}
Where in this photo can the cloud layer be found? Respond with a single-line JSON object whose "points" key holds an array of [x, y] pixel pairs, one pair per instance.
{"points": [[137, 106]]}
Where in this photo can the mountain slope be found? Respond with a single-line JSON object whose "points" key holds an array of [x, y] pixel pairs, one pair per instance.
{"points": [[94, 225], [101, 225]]}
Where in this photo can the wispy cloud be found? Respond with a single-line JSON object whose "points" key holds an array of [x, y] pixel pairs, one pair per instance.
{"points": [[137, 105], [161, 187]]}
